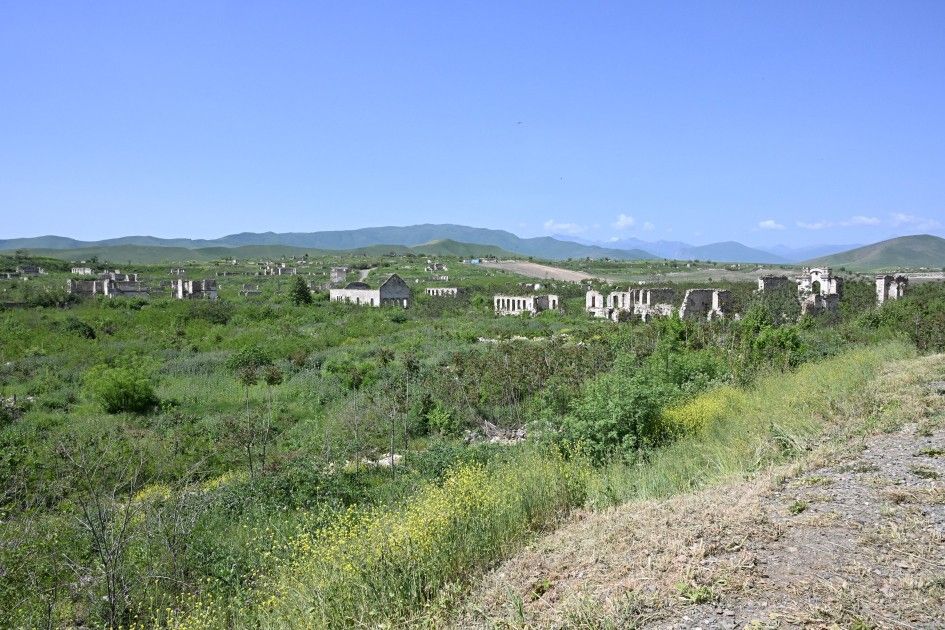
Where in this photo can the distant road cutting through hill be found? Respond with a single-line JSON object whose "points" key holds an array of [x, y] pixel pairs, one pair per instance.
{"points": [[535, 270]]}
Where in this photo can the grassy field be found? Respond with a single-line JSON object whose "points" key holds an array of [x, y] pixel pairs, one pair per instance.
{"points": [[198, 463]]}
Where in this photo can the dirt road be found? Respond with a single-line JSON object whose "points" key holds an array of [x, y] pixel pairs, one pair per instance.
{"points": [[535, 270]]}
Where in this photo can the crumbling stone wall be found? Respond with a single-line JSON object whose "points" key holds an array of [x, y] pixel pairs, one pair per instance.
{"points": [[107, 287], [337, 275], [195, 289], [518, 304], [773, 283], [442, 291], [890, 287], [705, 304], [819, 290], [819, 280]]}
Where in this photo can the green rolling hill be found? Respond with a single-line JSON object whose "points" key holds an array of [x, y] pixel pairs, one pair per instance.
{"points": [[153, 254], [904, 252], [411, 236]]}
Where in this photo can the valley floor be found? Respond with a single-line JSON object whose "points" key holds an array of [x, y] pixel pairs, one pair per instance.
{"points": [[852, 535]]}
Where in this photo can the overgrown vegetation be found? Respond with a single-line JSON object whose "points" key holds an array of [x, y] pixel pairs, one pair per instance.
{"points": [[264, 460]]}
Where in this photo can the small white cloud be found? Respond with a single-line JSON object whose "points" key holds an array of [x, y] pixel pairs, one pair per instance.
{"points": [[624, 222], [563, 228], [919, 223], [861, 220], [648, 227], [770, 224]]}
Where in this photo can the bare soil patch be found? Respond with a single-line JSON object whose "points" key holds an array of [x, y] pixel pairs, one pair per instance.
{"points": [[536, 270]]}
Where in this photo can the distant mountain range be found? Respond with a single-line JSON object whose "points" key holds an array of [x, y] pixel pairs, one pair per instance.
{"points": [[407, 236], [728, 251], [460, 240], [153, 254], [922, 250]]}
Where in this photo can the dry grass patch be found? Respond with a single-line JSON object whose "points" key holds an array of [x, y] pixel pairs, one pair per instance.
{"points": [[624, 564]]}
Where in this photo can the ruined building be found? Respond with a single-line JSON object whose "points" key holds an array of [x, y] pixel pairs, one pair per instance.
{"points": [[195, 289], [596, 304], [890, 288], [773, 283], [337, 275], [518, 304], [81, 271], [649, 303], [250, 289], [443, 291], [819, 290], [279, 270], [707, 304], [392, 292], [118, 276], [643, 303], [108, 288]]}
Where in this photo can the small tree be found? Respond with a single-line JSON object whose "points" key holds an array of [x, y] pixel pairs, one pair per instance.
{"points": [[106, 515], [300, 293]]}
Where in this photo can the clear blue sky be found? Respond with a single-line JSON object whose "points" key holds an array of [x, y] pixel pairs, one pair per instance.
{"points": [[765, 122]]}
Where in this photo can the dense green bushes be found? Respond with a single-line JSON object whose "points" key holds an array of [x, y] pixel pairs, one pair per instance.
{"points": [[920, 316], [740, 432], [124, 388]]}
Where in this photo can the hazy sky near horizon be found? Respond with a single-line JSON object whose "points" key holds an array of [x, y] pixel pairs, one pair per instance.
{"points": [[764, 122]]}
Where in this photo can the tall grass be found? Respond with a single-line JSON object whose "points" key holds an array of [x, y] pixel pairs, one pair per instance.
{"points": [[374, 566], [381, 566], [782, 415]]}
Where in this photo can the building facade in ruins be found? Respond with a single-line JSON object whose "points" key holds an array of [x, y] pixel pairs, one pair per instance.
{"points": [[337, 275], [118, 276], [392, 292], [774, 283], [280, 269], [108, 288], [890, 288], [819, 290], [642, 303], [250, 289], [195, 289], [82, 271], [518, 304], [705, 304], [442, 291]]}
